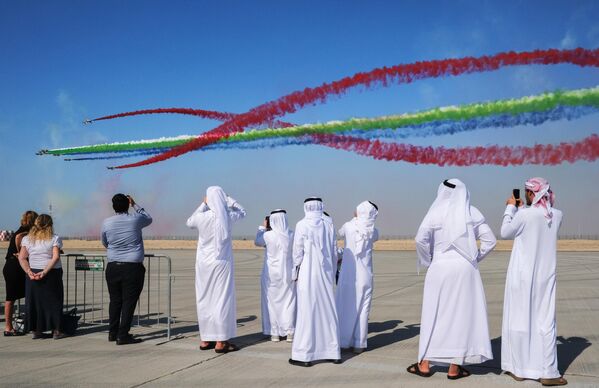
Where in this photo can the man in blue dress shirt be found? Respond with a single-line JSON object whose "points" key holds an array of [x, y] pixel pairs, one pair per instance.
{"points": [[121, 235]]}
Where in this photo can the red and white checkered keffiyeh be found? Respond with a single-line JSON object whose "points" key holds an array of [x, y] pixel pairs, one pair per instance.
{"points": [[544, 197]]}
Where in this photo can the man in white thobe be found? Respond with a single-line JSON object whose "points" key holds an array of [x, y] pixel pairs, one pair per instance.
{"points": [[528, 335], [354, 289], [214, 282], [278, 287], [315, 260], [453, 329]]}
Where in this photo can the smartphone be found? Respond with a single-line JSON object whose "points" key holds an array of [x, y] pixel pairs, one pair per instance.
{"points": [[516, 193], [267, 218]]}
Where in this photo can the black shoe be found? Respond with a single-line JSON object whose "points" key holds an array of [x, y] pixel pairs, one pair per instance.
{"points": [[336, 361], [111, 337], [128, 340], [300, 363]]}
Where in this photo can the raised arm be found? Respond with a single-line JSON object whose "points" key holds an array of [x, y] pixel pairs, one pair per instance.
{"points": [[487, 240], [236, 211], [192, 221], [144, 218], [104, 237], [259, 240], [512, 223]]}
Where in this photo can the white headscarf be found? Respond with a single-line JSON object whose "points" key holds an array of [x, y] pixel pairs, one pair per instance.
{"points": [[278, 222], [451, 210], [366, 214], [217, 202], [313, 210]]}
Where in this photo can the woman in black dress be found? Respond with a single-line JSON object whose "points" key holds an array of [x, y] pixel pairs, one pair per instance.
{"points": [[44, 269], [14, 277]]}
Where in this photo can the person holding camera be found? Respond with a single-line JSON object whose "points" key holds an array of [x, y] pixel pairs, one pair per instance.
{"points": [[278, 288], [354, 290], [122, 238], [528, 335], [214, 282]]}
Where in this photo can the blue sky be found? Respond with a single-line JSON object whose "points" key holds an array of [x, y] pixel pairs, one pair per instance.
{"points": [[62, 62]]}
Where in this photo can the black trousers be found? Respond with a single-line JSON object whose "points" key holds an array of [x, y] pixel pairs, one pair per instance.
{"points": [[125, 282]]}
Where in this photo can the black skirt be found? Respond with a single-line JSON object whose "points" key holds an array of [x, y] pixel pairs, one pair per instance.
{"points": [[14, 278], [44, 302]]}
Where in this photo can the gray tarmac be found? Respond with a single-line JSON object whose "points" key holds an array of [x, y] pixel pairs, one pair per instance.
{"points": [[88, 359]]}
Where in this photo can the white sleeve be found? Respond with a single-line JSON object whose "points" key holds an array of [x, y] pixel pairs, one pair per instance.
{"points": [[236, 211], [512, 223], [298, 250], [424, 246], [487, 240], [192, 221]]}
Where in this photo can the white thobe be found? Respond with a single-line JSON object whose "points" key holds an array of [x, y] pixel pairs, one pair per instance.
{"points": [[528, 335], [317, 328], [354, 290], [278, 288], [214, 282], [453, 326]]}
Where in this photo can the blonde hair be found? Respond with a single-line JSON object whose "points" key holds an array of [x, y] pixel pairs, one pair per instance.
{"points": [[28, 218], [42, 229]]}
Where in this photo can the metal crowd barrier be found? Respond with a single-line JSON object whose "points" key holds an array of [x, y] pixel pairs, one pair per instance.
{"points": [[85, 289]]}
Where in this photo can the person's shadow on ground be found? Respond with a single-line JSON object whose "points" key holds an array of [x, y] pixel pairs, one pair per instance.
{"points": [[386, 337], [568, 349]]}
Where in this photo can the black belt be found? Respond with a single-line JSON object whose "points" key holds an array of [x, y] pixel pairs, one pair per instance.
{"points": [[124, 262]]}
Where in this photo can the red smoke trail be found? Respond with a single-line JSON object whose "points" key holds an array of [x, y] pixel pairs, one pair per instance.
{"points": [[207, 114], [381, 76], [545, 154]]}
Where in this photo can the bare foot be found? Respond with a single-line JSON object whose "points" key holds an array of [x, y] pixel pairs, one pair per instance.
{"points": [[424, 366]]}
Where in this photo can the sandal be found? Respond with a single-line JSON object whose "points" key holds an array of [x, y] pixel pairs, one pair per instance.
{"points": [[13, 333], [415, 370], [554, 382], [461, 373], [211, 345], [513, 376], [229, 347]]}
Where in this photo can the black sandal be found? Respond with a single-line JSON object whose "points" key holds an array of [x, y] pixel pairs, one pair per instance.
{"points": [[305, 364], [461, 373], [211, 345], [229, 347], [13, 333], [415, 370]]}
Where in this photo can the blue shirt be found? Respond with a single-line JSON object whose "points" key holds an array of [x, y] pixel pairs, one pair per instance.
{"points": [[121, 235]]}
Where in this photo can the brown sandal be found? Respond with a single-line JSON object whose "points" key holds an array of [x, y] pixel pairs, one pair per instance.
{"points": [[513, 376], [553, 382]]}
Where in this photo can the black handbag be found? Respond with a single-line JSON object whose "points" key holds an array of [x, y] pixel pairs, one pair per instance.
{"points": [[70, 321]]}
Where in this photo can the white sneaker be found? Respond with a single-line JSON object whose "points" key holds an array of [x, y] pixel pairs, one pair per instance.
{"points": [[289, 337], [275, 338]]}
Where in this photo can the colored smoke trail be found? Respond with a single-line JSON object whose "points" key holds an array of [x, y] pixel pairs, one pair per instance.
{"points": [[399, 74], [541, 154], [531, 110], [545, 154]]}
